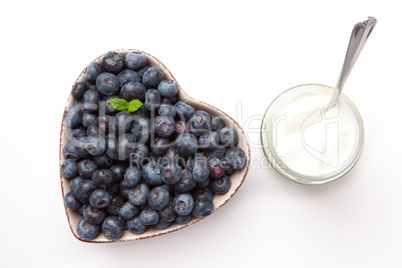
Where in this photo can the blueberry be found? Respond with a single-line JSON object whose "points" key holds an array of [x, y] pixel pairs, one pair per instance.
{"points": [[135, 60], [216, 123], [100, 199], [74, 183], [103, 177], [183, 204], [139, 195], [71, 202], [167, 110], [114, 189], [93, 130], [79, 144], [142, 112], [117, 202], [170, 101], [203, 193], [160, 146], [200, 123], [218, 153], [230, 170], [126, 144], [105, 123], [203, 207], [68, 169], [85, 168], [75, 133], [216, 169], [186, 144], [186, 183], [133, 90], [149, 216], [236, 157], [95, 145], [161, 224], [184, 111], [136, 226], [84, 190], [118, 171], [183, 219], [168, 214], [103, 161], [228, 136], [164, 126], [141, 129], [113, 62], [78, 90], [91, 100], [158, 198], [152, 99], [87, 230], [171, 174], [111, 150], [127, 76], [88, 119], [81, 210], [124, 189], [128, 211], [209, 141], [73, 117], [203, 184], [93, 70], [132, 176], [151, 173], [168, 188], [152, 77], [140, 152], [172, 157], [107, 84], [201, 168], [190, 164], [112, 228], [122, 122], [94, 216], [172, 154], [168, 88], [69, 152], [221, 185], [142, 71], [107, 107]]}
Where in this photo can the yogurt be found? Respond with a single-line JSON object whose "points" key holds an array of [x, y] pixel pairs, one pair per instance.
{"points": [[308, 140]]}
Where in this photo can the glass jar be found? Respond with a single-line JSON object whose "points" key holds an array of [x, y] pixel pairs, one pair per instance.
{"points": [[307, 142]]}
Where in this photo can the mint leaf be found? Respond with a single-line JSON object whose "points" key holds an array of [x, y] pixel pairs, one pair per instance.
{"points": [[119, 104], [134, 105], [123, 105]]}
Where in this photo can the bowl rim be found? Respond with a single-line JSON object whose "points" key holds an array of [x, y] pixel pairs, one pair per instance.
{"points": [[194, 220]]}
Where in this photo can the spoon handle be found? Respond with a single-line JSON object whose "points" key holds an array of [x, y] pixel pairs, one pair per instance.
{"points": [[360, 34]]}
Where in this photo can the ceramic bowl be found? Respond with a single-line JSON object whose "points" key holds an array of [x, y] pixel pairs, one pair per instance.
{"points": [[237, 178]]}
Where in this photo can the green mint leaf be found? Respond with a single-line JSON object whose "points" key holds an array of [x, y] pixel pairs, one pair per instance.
{"points": [[119, 104], [134, 105]]}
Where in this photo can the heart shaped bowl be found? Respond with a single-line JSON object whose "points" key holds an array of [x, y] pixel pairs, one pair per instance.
{"points": [[237, 178]]}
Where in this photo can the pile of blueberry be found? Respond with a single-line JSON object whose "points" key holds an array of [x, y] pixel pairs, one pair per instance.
{"points": [[160, 164]]}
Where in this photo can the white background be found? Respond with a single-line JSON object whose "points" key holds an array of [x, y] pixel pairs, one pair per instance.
{"points": [[220, 52]]}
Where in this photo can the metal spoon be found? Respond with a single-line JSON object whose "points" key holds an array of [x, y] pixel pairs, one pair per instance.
{"points": [[360, 34]]}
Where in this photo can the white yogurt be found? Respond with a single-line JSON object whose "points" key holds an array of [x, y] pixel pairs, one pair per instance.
{"points": [[310, 140]]}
